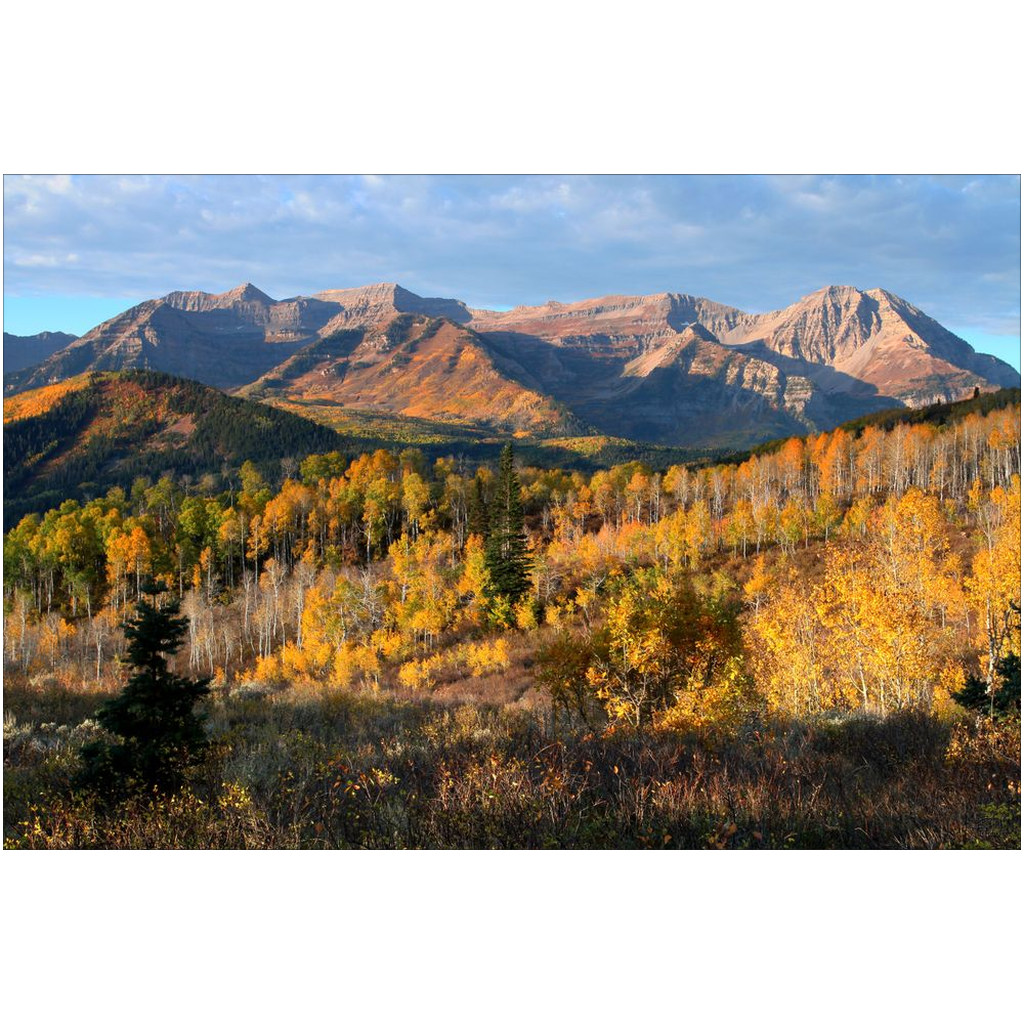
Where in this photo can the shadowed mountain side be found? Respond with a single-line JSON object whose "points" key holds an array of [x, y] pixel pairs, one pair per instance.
{"points": [[23, 351], [291, 320], [693, 388], [670, 406], [688, 383], [326, 357], [158, 335], [612, 326], [836, 396]]}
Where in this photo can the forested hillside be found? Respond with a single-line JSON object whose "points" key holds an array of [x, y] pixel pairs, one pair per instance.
{"points": [[938, 414], [870, 572], [78, 438]]}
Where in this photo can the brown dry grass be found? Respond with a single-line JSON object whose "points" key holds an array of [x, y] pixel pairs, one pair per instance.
{"points": [[362, 770]]}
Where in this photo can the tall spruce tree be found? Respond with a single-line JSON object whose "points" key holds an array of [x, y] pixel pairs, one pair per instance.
{"points": [[507, 558], [477, 513], [161, 734]]}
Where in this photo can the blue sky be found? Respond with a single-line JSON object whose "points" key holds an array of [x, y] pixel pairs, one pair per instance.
{"points": [[80, 249]]}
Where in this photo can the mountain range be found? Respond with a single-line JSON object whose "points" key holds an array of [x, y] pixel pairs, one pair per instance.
{"points": [[665, 368]]}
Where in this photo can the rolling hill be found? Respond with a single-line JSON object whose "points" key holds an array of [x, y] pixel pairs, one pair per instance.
{"points": [[83, 436]]}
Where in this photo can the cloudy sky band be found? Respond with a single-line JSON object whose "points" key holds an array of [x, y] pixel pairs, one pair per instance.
{"points": [[77, 249]]}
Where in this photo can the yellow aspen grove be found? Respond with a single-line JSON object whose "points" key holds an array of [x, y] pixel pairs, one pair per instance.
{"points": [[697, 532], [415, 502], [785, 640], [875, 567], [741, 529], [760, 584], [791, 465], [994, 586]]}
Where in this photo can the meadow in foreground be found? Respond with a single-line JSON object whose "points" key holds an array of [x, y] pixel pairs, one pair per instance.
{"points": [[389, 771]]}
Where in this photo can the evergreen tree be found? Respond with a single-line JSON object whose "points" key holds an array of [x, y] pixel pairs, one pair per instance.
{"points": [[1003, 700], [1006, 700], [507, 558], [477, 514], [154, 716], [973, 695]]}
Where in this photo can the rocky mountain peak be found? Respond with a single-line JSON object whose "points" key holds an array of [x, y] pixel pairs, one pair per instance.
{"points": [[375, 303], [834, 291], [697, 332], [201, 302], [246, 292], [367, 294]]}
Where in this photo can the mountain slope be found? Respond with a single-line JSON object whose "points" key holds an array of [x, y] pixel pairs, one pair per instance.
{"points": [[834, 355], [226, 340], [873, 338], [21, 351], [692, 388], [376, 303], [417, 366], [609, 326], [635, 375], [79, 438]]}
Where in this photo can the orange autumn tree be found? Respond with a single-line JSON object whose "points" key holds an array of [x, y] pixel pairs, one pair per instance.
{"points": [[663, 655]]}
